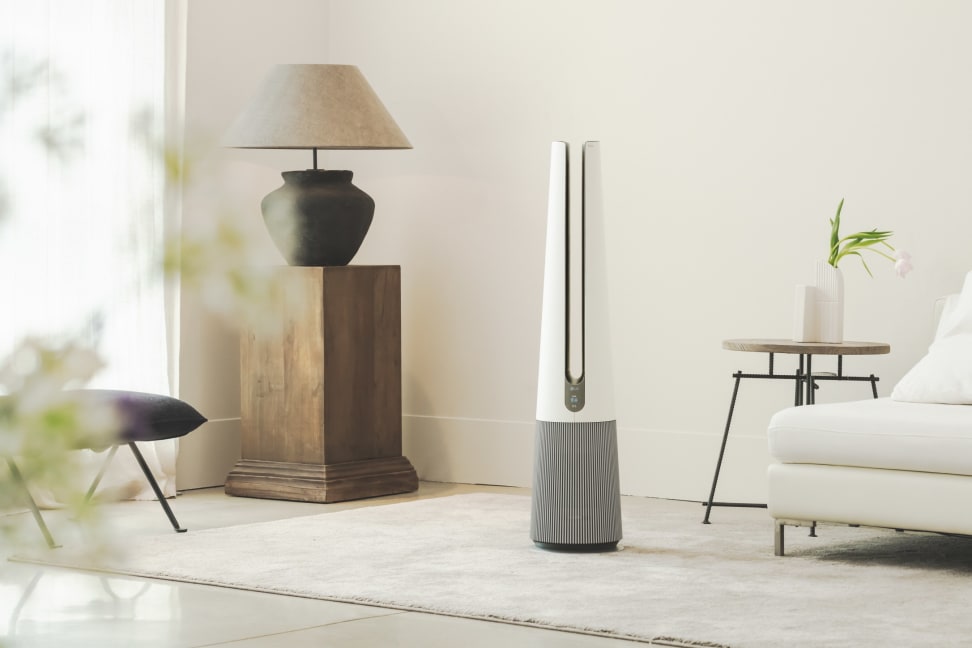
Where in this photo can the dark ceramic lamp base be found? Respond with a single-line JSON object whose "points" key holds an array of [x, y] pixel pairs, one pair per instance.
{"points": [[318, 218]]}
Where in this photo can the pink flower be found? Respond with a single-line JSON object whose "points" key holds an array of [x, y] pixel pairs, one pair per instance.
{"points": [[902, 263]]}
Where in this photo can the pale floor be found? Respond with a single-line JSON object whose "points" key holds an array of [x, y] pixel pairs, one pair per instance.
{"points": [[47, 606]]}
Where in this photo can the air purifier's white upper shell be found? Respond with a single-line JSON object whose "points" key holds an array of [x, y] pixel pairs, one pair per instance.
{"points": [[594, 391]]}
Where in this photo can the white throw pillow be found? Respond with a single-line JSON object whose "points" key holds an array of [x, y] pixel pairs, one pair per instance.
{"points": [[958, 319], [944, 375]]}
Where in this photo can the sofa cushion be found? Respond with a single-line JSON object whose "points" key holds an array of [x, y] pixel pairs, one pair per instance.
{"points": [[877, 433], [944, 375]]}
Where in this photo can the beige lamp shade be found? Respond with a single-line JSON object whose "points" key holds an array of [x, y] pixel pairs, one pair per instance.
{"points": [[316, 106]]}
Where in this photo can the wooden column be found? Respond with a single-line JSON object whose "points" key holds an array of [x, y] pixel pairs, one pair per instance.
{"points": [[322, 400]]}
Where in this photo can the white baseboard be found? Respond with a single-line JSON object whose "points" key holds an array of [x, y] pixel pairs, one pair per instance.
{"points": [[680, 465], [469, 451], [653, 463], [208, 454]]}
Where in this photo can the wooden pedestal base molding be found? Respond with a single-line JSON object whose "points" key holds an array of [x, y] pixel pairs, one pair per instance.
{"points": [[321, 484], [321, 401]]}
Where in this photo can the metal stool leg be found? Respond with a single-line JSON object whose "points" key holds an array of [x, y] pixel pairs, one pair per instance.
{"points": [[874, 385], [19, 478], [101, 473], [155, 487], [722, 448]]}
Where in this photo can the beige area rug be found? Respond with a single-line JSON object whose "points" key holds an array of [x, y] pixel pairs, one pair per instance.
{"points": [[675, 580]]}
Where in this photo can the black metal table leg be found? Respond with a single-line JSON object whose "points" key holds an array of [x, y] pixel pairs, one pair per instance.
{"points": [[810, 395], [804, 392], [798, 384], [722, 448]]}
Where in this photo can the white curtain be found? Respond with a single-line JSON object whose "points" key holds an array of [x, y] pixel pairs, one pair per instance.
{"points": [[84, 197]]}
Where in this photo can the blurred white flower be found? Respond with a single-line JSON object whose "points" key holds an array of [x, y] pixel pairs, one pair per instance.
{"points": [[44, 420], [36, 370], [902, 263], [216, 261], [41, 409]]}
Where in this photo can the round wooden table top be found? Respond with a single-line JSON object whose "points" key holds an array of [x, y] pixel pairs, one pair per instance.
{"points": [[811, 348]]}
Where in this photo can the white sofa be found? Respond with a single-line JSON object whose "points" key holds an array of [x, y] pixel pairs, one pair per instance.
{"points": [[903, 462]]}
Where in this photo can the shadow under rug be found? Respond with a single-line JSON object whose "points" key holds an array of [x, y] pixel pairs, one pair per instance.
{"points": [[674, 581]]}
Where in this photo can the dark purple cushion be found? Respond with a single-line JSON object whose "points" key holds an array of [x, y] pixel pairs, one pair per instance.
{"points": [[149, 417]]}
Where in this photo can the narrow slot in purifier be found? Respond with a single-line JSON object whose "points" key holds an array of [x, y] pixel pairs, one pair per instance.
{"points": [[574, 249], [576, 503]]}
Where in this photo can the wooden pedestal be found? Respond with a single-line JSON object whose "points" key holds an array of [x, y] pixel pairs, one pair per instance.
{"points": [[322, 402]]}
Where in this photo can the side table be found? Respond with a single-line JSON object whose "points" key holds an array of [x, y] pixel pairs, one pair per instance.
{"points": [[321, 400], [804, 380]]}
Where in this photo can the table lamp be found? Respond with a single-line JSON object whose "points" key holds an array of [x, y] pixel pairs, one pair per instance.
{"points": [[318, 217]]}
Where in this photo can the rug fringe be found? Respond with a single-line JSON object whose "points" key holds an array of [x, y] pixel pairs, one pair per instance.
{"points": [[675, 642]]}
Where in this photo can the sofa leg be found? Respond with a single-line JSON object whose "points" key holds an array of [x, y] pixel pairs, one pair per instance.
{"points": [[778, 545]]}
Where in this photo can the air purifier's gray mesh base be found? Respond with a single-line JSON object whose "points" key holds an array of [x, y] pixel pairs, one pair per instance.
{"points": [[576, 492]]}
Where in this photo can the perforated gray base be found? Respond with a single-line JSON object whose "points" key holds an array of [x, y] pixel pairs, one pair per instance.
{"points": [[576, 492]]}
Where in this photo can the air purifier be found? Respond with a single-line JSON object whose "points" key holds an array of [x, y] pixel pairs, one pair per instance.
{"points": [[576, 500]]}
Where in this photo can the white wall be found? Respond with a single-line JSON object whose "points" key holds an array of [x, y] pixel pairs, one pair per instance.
{"points": [[729, 131]]}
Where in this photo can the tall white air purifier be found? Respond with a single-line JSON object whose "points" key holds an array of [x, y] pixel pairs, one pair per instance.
{"points": [[576, 494]]}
